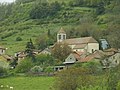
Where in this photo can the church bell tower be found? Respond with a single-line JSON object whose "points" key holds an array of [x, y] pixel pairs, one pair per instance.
{"points": [[61, 35]]}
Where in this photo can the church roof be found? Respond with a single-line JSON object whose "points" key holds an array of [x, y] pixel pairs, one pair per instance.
{"points": [[83, 40], [61, 31], [80, 46]]}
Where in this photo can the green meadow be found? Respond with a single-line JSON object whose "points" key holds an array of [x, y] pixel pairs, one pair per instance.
{"points": [[27, 83]]}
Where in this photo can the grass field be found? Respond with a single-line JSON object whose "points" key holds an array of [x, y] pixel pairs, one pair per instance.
{"points": [[14, 46], [27, 83]]}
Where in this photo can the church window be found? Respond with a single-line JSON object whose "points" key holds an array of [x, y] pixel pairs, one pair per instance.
{"points": [[59, 36], [63, 36]]}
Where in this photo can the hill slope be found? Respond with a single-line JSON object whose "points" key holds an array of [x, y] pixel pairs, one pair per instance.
{"points": [[31, 19]]}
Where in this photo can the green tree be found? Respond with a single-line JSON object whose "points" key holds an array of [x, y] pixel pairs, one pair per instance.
{"points": [[41, 42], [61, 51], [29, 49], [18, 39], [113, 79], [44, 60], [14, 63], [24, 65], [45, 10], [36, 69], [72, 79], [44, 41], [49, 70], [3, 71]]}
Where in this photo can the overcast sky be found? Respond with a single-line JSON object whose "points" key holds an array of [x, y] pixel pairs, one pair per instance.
{"points": [[1, 1]]}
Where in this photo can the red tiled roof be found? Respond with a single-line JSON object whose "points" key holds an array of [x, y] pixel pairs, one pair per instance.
{"points": [[95, 55], [77, 54], [111, 50]]}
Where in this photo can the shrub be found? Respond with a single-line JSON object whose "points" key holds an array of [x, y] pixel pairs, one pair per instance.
{"points": [[3, 71], [68, 79], [49, 70], [24, 66], [36, 69], [94, 66], [18, 39]]}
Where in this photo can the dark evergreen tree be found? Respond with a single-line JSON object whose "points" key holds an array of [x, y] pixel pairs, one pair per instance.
{"points": [[29, 49], [14, 63]]}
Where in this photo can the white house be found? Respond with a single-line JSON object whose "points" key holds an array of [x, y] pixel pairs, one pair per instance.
{"points": [[83, 44], [46, 51]]}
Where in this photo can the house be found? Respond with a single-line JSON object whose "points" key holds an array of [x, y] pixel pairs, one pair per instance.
{"points": [[7, 57], [113, 58], [73, 58], [58, 68], [2, 50], [20, 55], [108, 58], [76, 57], [36, 52], [46, 51], [83, 44]]}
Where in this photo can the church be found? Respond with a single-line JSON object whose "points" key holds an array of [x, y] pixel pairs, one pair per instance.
{"points": [[83, 44]]}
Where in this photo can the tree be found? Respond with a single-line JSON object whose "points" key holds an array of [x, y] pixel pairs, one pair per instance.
{"points": [[14, 63], [29, 49], [45, 10], [44, 60], [3, 71], [24, 65], [41, 42], [61, 51], [94, 66], [44, 41], [49, 70], [18, 39], [36, 69], [100, 9], [113, 79], [72, 79]]}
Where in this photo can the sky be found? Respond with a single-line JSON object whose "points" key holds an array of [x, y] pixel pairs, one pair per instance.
{"points": [[9, 1]]}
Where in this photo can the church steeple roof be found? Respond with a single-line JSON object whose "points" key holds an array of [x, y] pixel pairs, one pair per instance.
{"points": [[61, 31]]}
